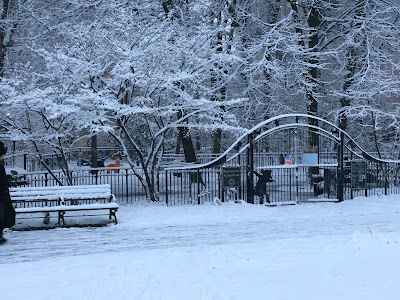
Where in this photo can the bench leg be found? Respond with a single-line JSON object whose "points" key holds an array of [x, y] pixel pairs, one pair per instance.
{"points": [[113, 214], [46, 220], [61, 217]]}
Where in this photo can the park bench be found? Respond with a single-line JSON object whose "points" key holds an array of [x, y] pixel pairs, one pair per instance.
{"points": [[64, 199]]}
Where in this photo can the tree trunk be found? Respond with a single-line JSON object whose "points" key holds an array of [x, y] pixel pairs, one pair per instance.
{"points": [[178, 144], [312, 104], [217, 137], [198, 144], [3, 33], [345, 100], [93, 151], [313, 22], [187, 143], [351, 65], [215, 80]]}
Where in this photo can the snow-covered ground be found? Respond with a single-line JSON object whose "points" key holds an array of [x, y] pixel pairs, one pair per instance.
{"points": [[348, 250]]}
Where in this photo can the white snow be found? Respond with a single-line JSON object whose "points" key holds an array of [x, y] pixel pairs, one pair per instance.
{"points": [[348, 250], [73, 192]]}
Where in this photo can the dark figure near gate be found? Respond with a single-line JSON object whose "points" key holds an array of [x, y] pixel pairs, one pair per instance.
{"points": [[261, 189], [7, 212], [193, 178], [196, 178]]}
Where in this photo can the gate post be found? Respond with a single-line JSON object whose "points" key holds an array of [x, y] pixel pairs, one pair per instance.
{"points": [[198, 186], [386, 179], [250, 169], [340, 168], [166, 187]]}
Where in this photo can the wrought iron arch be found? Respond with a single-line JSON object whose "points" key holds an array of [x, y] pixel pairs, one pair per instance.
{"points": [[245, 142]]}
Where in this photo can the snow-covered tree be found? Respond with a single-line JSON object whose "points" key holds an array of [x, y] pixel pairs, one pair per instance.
{"points": [[146, 71], [362, 39], [119, 68]]}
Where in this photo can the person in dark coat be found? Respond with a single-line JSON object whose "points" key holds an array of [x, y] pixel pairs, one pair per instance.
{"points": [[7, 212], [261, 190]]}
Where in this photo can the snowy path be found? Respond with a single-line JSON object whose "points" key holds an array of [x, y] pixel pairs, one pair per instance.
{"points": [[319, 251], [143, 228]]}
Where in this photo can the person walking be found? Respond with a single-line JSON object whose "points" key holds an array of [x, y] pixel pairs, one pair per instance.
{"points": [[261, 189], [7, 212]]}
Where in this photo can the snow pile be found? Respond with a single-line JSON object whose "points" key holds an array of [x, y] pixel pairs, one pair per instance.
{"points": [[347, 250]]}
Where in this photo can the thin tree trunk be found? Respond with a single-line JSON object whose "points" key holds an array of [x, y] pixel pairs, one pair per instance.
{"points": [[312, 104], [216, 80], [93, 151], [149, 188], [197, 143], [3, 33], [217, 137], [351, 65], [313, 22], [345, 100], [178, 144], [186, 140]]}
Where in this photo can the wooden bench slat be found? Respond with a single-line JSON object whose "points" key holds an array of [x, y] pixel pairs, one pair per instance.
{"points": [[82, 192], [21, 192], [79, 192], [58, 187], [85, 189]]}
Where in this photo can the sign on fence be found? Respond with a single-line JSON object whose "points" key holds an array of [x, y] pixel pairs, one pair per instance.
{"points": [[310, 156], [358, 174], [231, 177], [288, 160]]}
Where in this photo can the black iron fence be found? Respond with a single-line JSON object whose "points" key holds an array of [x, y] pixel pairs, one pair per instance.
{"points": [[124, 184], [297, 160], [197, 186], [289, 183]]}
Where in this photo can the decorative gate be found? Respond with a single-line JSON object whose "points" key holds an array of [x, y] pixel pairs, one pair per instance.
{"points": [[285, 159]]}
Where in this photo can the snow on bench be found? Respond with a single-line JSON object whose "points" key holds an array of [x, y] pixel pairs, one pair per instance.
{"points": [[62, 199], [66, 193]]}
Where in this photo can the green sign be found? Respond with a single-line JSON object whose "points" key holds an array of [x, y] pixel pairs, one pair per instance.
{"points": [[231, 177], [358, 174]]}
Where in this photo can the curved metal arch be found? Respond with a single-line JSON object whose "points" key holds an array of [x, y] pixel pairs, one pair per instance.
{"points": [[279, 128], [365, 154], [222, 158], [296, 125], [325, 133]]}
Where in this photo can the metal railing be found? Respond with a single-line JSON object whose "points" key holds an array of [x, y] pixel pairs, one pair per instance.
{"points": [[197, 186], [124, 184], [290, 183]]}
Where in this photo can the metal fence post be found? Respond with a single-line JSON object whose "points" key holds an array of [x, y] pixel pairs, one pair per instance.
{"points": [[366, 180], [158, 182], [198, 187], [386, 179], [127, 185], [340, 169], [250, 169], [166, 187], [222, 188]]}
